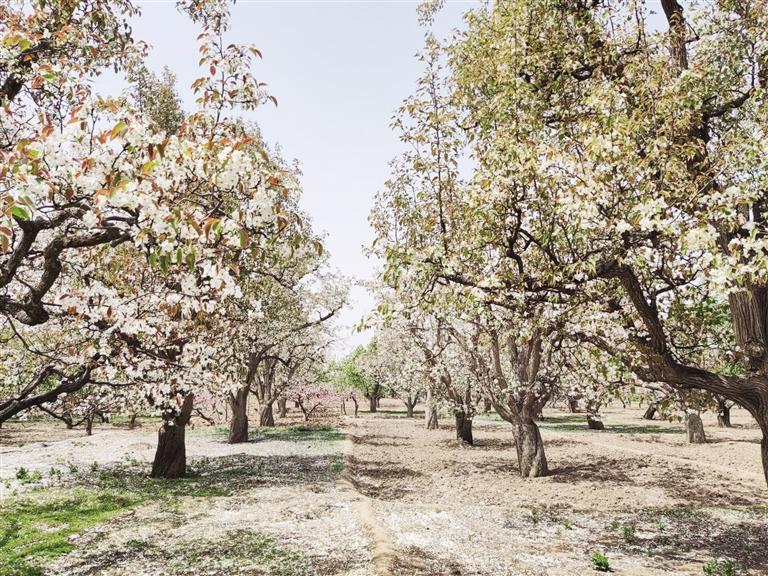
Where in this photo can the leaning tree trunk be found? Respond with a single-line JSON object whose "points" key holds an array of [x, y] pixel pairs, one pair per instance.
{"points": [[530, 450], [650, 412], [594, 422], [282, 407], [430, 413], [463, 428], [238, 425], [695, 429], [266, 415], [171, 455]]}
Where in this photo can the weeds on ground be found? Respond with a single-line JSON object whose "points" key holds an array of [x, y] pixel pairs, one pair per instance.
{"points": [[600, 562]]}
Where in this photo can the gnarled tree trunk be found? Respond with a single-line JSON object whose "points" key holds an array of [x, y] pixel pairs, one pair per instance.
{"points": [[463, 428], [238, 425], [530, 450], [282, 407], [650, 412], [171, 455], [373, 403], [266, 415], [695, 428]]}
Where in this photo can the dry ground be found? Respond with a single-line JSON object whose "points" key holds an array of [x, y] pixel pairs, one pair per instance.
{"points": [[387, 497]]}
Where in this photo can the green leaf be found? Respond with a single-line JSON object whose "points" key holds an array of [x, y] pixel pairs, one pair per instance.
{"points": [[19, 212]]}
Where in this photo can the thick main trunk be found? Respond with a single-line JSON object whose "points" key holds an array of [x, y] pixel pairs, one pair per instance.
{"points": [[595, 422], [238, 425], [266, 415], [463, 428], [171, 456], [530, 450], [357, 406], [373, 403], [282, 407], [650, 412], [695, 428], [89, 425], [573, 405], [132, 422]]}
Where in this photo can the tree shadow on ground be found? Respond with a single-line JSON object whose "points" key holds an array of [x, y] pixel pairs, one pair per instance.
{"points": [[382, 479], [282, 433], [212, 476], [415, 561], [380, 440], [733, 440], [612, 428], [675, 535], [678, 481], [601, 470]]}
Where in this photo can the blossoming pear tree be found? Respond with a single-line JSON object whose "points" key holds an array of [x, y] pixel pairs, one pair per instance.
{"points": [[122, 240]]}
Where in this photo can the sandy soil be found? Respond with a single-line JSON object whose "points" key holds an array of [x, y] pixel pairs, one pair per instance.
{"points": [[413, 502]]}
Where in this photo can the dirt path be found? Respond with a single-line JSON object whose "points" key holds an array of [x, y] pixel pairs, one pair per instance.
{"points": [[639, 493]]}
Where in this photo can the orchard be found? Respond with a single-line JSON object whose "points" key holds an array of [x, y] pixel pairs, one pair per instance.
{"points": [[506, 312]]}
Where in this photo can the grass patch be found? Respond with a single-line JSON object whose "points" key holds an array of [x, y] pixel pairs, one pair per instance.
{"points": [[253, 552], [298, 434], [302, 433], [35, 531]]}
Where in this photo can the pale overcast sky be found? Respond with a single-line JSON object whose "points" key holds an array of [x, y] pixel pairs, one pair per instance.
{"points": [[338, 70]]}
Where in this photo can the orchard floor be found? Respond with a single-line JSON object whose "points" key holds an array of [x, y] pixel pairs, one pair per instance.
{"points": [[380, 495]]}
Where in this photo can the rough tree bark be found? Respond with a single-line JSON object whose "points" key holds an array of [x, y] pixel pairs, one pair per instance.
{"points": [[695, 428], [266, 415], [171, 455], [650, 412], [463, 428], [238, 424], [282, 407], [530, 450]]}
